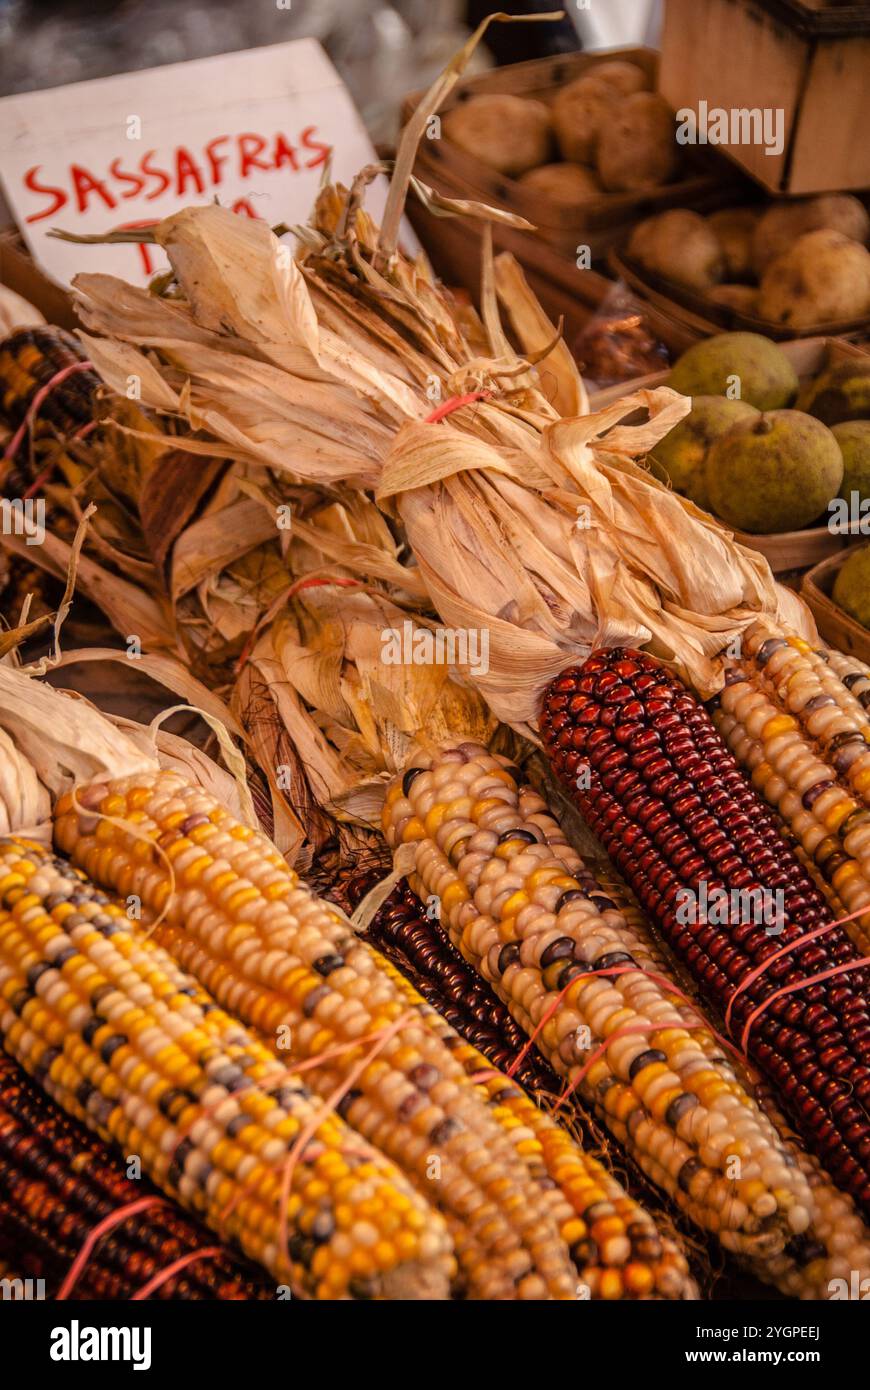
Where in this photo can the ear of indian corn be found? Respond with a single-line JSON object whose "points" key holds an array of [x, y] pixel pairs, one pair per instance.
{"points": [[58, 1182], [30, 359], [242, 922], [524, 919], [798, 728], [670, 805], [116, 1033], [836, 1240], [615, 1246]]}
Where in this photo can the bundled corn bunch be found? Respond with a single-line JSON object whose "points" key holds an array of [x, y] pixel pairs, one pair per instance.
{"points": [[645, 765], [524, 1221], [796, 718], [59, 454], [836, 1240], [544, 534], [60, 1187], [125, 1042]]}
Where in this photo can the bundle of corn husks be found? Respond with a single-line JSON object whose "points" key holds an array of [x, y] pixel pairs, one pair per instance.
{"points": [[323, 369]]}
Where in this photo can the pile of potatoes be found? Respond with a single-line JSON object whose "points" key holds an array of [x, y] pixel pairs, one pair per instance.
{"points": [[798, 264], [613, 135]]}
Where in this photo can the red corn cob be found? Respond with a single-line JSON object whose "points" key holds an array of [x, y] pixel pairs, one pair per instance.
{"points": [[670, 805]]}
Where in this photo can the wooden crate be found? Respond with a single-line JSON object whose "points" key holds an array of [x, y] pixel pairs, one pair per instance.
{"points": [[835, 626], [807, 59], [785, 551], [594, 222], [701, 316]]}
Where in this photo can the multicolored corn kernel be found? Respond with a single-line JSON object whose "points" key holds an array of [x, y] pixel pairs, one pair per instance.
{"points": [[803, 736], [126, 1043], [244, 924], [680, 822], [58, 1182], [616, 1248], [416, 942], [30, 359], [520, 907]]}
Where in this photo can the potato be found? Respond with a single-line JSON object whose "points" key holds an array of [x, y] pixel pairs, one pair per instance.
{"points": [[782, 223], [625, 77], [578, 112], [823, 279], [679, 245], [741, 297], [562, 183], [735, 227], [637, 145], [510, 134]]}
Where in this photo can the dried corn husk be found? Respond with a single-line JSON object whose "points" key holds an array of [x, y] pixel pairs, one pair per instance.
{"points": [[489, 500]]}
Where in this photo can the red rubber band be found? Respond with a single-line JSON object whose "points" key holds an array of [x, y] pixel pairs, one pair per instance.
{"points": [[316, 582], [800, 984], [328, 1107], [667, 985], [759, 970], [455, 403], [102, 1228], [209, 1252], [42, 393]]}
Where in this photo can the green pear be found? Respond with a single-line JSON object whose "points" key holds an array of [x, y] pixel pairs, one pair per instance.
{"points": [[853, 437], [682, 455], [841, 393], [852, 586], [744, 366], [775, 473]]}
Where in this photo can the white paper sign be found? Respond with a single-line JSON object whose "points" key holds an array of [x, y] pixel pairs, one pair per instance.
{"points": [[251, 129]]}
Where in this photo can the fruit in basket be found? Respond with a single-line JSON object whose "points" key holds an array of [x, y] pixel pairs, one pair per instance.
{"points": [[823, 279], [680, 458], [562, 183], [840, 393], [679, 245], [853, 437], [626, 78], [852, 586], [511, 134], [775, 473], [781, 224], [637, 145], [760, 370], [579, 110], [743, 298], [734, 228]]}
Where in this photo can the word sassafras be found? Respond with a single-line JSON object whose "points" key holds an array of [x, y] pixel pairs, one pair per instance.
{"points": [[181, 171]]}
